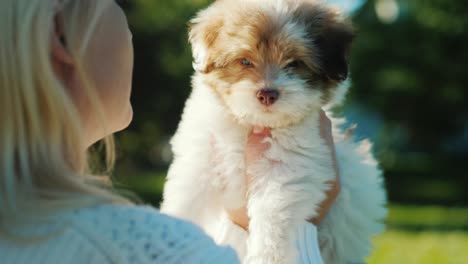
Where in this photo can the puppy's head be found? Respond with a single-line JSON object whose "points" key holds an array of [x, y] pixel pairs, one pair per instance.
{"points": [[271, 61]]}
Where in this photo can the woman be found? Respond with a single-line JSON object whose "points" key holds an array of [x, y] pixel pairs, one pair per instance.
{"points": [[65, 81]]}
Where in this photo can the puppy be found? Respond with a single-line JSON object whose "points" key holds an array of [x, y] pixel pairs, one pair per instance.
{"points": [[274, 64]]}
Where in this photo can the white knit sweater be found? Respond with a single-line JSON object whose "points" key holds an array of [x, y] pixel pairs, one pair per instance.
{"points": [[132, 234]]}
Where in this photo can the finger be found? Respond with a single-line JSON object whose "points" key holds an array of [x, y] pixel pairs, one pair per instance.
{"points": [[239, 217], [256, 146], [325, 122], [326, 132], [258, 129], [257, 138], [261, 131], [326, 129]]}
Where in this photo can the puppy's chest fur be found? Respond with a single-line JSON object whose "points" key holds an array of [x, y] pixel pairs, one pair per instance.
{"points": [[297, 155]]}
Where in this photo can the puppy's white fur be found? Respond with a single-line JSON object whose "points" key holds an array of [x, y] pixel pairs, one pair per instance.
{"points": [[208, 171]]}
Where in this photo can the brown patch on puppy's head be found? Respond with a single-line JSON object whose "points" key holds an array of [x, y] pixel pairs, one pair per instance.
{"points": [[203, 33]]}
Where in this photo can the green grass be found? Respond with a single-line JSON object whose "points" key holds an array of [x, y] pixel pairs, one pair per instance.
{"points": [[423, 235], [400, 247], [432, 217]]}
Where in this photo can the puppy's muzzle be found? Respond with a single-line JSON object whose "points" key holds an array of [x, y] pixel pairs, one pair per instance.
{"points": [[268, 96]]}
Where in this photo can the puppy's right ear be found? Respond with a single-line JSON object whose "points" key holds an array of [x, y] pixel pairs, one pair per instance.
{"points": [[203, 34], [332, 35]]}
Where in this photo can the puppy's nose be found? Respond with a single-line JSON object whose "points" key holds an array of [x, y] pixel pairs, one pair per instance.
{"points": [[268, 96]]}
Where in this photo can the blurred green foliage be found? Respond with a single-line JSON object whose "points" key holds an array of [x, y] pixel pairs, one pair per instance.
{"points": [[408, 94], [427, 217], [412, 74], [394, 247]]}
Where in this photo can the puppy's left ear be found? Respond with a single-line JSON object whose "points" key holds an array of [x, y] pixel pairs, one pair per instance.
{"points": [[333, 43], [203, 33]]}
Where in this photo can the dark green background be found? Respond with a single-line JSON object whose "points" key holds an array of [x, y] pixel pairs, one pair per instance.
{"points": [[408, 96]]}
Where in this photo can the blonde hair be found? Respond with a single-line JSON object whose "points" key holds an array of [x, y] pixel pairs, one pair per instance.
{"points": [[43, 168]]}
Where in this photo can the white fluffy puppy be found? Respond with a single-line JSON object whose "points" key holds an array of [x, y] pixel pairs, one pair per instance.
{"points": [[275, 64]]}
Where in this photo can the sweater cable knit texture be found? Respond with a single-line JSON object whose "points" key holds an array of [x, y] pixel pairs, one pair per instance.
{"points": [[134, 234], [116, 234]]}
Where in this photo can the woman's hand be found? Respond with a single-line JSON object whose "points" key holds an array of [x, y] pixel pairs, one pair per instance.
{"points": [[332, 193], [255, 149]]}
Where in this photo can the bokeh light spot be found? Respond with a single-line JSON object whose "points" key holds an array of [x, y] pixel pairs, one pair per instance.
{"points": [[387, 10]]}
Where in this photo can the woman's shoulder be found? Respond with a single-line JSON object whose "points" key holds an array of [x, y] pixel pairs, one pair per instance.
{"points": [[141, 234], [136, 221], [131, 216]]}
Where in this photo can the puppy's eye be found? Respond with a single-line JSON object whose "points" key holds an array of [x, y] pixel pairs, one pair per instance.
{"points": [[293, 64], [246, 62]]}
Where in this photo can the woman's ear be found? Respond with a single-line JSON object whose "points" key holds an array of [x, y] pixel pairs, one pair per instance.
{"points": [[60, 54]]}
